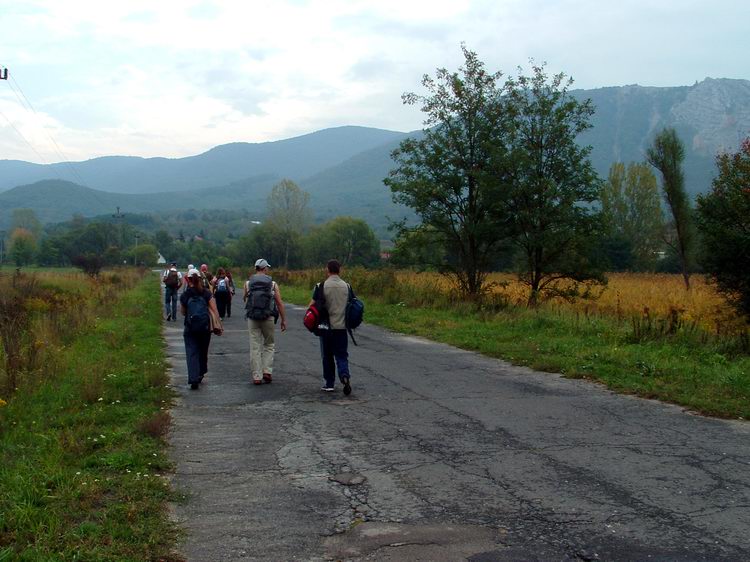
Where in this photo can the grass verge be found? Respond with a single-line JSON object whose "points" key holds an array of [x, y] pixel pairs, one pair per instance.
{"points": [[675, 370], [82, 453]]}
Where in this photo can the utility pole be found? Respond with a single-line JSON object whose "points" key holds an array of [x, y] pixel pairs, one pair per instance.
{"points": [[2, 246], [118, 216], [135, 253]]}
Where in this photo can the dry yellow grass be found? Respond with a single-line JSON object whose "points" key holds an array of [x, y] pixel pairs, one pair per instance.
{"points": [[626, 295]]}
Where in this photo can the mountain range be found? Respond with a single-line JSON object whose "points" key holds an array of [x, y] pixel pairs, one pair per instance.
{"points": [[343, 168]]}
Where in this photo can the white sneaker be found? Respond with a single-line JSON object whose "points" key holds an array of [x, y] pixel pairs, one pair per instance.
{"points": [[327, 389]]}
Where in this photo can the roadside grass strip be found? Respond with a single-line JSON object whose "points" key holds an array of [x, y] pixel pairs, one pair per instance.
{"points": [[701, 377], [82, 452]]}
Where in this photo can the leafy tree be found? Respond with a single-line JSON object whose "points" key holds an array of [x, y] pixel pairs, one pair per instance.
{"points": [[724, 221], [50, 253], [632, 212], [145, 254], [27, 219], [288, 212], [666, 154], [349, 240], [549, 201], [22, 246], [445, 175], [164, 243]]}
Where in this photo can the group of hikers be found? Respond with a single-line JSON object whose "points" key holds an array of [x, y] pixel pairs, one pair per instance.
{"points": [[206, 300]]}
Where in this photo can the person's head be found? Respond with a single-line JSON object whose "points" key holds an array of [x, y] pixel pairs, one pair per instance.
{"points": [[262, 265], [220, 272], [194, 277], [191, 266], [333, 267], [173, 264], [204, 268]]}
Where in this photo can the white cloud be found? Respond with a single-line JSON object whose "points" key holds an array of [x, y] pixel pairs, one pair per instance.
{"points": [[174, 78]]}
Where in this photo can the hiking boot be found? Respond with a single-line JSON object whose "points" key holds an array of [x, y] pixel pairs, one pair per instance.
{"points": [[169, 317], [327, 389], [347, 386], [194, 385], [267, 378]]}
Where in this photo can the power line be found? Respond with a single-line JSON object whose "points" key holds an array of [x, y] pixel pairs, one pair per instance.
{"points": [[20, 134], [26, 104]]}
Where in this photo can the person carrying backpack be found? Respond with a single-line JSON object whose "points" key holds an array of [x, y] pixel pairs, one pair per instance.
{"points": [[222, 291], [172, 280], [333, 295], [263, 306], [197, 304]]}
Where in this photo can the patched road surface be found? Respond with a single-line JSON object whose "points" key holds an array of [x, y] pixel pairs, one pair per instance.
{"points": [[442, 454]]}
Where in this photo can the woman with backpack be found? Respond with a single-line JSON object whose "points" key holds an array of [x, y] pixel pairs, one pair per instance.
{"points": [[231, 293], [222, 291], [197, 304]]}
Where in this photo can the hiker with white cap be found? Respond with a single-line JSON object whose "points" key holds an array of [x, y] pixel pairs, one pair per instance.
{"points": [[172, 280], [198, 306], [263, 307]]}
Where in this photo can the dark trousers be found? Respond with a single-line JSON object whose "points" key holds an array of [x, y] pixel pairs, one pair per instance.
{"points": [[170, 301], [196, 352], [222, 298], [334, 347], [229, 306]]}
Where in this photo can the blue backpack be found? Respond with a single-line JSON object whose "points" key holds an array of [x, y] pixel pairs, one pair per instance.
{"points": [[197, 319], [354, 313]]}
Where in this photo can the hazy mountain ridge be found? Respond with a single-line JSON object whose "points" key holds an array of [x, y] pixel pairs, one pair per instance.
{"points": [[295, 158], [343, 168]]}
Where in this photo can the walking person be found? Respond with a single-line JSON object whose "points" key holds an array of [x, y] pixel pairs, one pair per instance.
{"points": [[185, 277], [172, 280], [231, 293], [206, 277], [197, 304], [263, 306], [333, 294], [221, 290]]}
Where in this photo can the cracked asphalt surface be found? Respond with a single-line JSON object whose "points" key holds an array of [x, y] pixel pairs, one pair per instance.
{"points": [[442, 454]]}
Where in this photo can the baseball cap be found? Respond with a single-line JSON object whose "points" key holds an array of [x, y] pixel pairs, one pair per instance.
{"points": [[261, 263], [194, 272]]}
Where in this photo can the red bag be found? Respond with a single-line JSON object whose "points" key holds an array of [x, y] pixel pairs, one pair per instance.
{"points": [[312, 318]]}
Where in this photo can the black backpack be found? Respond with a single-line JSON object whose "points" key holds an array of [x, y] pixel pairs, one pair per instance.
{"points": [[197, 319], [172, 280], [260, 303]]}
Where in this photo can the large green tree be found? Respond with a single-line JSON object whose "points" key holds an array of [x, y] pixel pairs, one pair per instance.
{"points": [[288, 212], [549, 200], [445, 175], [22, 246], [632, 213], [724, 221], [349, 240], [666, 154]]}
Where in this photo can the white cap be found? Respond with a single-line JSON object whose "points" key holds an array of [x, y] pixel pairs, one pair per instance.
{"points": [[191, 266], [261, 263], [193, 271]]}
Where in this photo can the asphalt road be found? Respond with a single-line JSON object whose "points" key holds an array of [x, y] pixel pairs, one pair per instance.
{"points": [[442, 454]]}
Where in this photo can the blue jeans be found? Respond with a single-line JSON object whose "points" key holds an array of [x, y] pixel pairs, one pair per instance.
{"points": [[170, 301], [333, 346], [196, 353]]}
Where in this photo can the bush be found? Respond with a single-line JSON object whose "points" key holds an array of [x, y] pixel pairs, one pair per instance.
{"points": [[90, 264]]}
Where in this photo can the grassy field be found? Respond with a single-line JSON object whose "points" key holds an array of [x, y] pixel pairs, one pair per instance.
{"points": [[82, 452], [633, 341]]}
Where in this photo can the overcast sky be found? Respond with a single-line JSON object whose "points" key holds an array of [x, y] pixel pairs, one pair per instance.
{"points": [[174, 78]]}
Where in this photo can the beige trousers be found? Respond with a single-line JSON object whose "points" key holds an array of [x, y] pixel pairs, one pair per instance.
{"points": [[261, 347]]}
